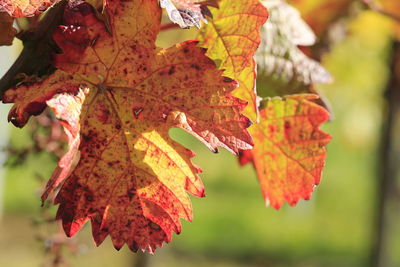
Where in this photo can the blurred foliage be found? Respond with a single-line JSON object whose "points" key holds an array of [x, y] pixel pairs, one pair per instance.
{"points": [[232, 227]]}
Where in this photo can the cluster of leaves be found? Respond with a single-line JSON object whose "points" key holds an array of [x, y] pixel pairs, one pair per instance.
{"points": [[289, 150], [117, 95]]}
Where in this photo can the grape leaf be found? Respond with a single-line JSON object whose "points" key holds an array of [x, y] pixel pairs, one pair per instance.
{"points": [[7, 31], [296, 30], [131, 177], [289, 152], [25, 8], [232, 37], [67, 109], [279, 58], [285, 70], [188, 13]]}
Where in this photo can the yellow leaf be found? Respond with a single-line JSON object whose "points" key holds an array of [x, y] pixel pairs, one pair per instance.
{"points": [[232, 37]]}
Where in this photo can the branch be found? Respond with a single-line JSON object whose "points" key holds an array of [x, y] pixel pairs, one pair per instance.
{"points": [[377, 8]]}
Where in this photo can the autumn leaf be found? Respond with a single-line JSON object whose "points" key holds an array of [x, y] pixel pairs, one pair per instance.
{"points": [[289, 152], [131, 177], [283, 69], [296, 30], [25, 8], [232, 37], [67, 109], [6, 29], [279, 59]]}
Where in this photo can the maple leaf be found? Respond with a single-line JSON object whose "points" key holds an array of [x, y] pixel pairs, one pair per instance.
{"points": [[289, 152], [6, 29], [188, 13], [231, 38], [131, 177], [25, 8]]}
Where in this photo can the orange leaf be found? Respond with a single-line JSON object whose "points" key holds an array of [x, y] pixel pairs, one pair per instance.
{"points": [[25, 8], [289, 149], [232, 37], [131, 177]]}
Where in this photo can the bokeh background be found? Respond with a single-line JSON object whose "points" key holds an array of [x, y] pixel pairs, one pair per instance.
{"points": [[232, 226]]}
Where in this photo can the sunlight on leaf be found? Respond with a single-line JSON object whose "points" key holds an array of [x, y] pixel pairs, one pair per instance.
{"points": [[131, 179]]}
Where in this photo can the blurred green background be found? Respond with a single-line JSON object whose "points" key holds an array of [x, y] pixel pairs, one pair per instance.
{"points": [[231, 226]]}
